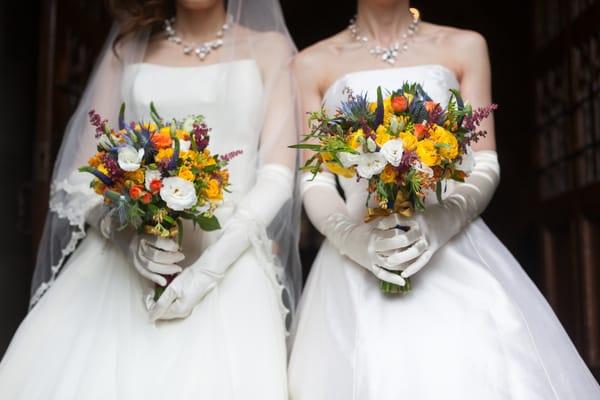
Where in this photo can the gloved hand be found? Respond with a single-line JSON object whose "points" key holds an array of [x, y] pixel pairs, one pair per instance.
{"points": [[379, 246], [196, 281], [441, 222], [151, 256], [256, 210]]}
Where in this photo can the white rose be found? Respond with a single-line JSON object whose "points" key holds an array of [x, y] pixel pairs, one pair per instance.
{"points": [[370, 164], [468, 162], [348, 159], [129, 158], [151, 175], [178, 193], [392, 150]]}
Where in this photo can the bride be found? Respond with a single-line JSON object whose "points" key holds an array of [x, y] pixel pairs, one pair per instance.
{"points": [[474, 325], [218, 331]]}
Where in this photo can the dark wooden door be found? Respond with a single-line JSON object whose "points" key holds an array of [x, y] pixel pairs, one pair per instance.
{"points": [[72, 34], [566, 151]]}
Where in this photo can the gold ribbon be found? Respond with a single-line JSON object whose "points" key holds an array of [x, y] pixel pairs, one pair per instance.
{"points": [[402, 206], [165, 233]]}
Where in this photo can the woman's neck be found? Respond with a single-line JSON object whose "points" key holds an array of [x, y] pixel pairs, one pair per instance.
{"points": [[199, 25], [385, 23]]}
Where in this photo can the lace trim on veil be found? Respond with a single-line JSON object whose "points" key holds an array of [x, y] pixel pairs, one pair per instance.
{"points": [[71, 201]]}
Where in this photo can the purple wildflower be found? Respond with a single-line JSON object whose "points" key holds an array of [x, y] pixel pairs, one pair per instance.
{"points": [[408, 159], [229, 156], [200, 135], [97, 122], [114, 171], [471, 122]]}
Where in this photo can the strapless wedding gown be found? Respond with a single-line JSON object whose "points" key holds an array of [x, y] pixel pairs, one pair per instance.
{"points": [[474, 327], [90, 336]]}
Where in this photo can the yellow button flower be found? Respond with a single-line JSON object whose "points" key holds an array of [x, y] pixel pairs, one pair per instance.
{"points": [[353, 139], [164, 154], [389, 174], [213, 190], [409, 141], [382, 135], [427, 153], [186, 173], [446, 142]]}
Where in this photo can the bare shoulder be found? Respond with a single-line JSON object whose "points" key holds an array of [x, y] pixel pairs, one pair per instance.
{"points": [[309, 62], [458, 41]]}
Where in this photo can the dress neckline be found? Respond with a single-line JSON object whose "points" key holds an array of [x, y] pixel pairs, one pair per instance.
{"points": [[374, 70], [192, 67]]}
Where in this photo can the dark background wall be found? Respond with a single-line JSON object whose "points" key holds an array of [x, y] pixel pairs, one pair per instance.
{"points": [[514, 214], [18, 72]]}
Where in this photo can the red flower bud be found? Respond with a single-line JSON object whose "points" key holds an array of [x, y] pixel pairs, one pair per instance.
{"points": [[155, 186], [399, 104], [146, 198], [420, 131], [135, 192]]}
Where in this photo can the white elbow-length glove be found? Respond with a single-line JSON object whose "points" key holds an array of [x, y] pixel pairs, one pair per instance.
{"points": [[441, 222], [274, 185], [377, 246], [151, 256]]}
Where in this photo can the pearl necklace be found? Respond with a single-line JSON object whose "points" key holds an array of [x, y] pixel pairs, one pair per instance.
{"points": [[388, 54], [202, 50]]}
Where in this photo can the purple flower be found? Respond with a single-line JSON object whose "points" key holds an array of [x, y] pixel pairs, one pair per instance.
{"points": [[229, 156], [408, 159], [97, 122], [200, 135], [471, 122], [114, 171]]}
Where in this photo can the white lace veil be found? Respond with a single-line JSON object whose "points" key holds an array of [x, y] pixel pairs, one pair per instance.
{"points": [[258, 32]]}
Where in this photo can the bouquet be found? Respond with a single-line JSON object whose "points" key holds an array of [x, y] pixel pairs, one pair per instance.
{"points": [[404, 144], [153, 175]]}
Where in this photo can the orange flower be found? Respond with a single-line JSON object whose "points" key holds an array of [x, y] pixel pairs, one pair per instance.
{"points": [[399, 103], [430, 106], [420, 131], [96, 160], [135, 192], [162, 139]]}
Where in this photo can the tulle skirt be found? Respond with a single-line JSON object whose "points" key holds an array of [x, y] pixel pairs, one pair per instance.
{"points": [[90, 338], [474, 327]]}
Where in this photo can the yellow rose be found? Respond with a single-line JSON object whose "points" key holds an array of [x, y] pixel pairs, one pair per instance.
{"points": [[389, 174], [213, 190], [427, 153], [353, 139], [335, 167], [164, 154], [382, 135], [445, 141], [186, 173], [409, 141]]}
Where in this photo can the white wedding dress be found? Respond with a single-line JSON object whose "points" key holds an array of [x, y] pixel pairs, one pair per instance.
{"points": [[473, 328], [90, 336]]}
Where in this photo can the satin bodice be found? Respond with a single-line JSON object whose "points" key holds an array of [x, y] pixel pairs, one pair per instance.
{"points": [[436, 80], [230, 97]]}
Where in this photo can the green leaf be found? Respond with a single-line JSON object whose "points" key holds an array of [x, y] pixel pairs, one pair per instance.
{"points": [[306, 146], [154, 115], [207, 223], [438, 192]]}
